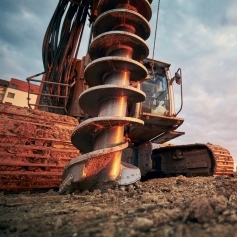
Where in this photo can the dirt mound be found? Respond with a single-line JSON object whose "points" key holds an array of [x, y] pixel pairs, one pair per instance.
{"points": [[172, 207]]}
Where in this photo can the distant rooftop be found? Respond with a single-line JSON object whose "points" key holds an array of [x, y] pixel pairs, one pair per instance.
{"points": [[22, 85], [4, 83]]}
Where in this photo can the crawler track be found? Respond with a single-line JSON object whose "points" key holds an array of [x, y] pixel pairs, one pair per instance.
{"points": [[34, 148], [192, 160], [224, 163]]}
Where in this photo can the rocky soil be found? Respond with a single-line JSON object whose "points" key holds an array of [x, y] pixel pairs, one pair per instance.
{"points": [[169, 207]]}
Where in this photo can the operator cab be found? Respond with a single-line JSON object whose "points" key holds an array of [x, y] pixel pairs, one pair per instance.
{"points": [[156, 89], [157, 110]]}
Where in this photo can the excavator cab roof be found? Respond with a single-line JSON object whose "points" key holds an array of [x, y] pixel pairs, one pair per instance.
{"points": [[158, 63]]}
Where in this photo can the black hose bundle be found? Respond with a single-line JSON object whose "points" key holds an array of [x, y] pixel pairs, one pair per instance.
{"points": [[59, 52]]}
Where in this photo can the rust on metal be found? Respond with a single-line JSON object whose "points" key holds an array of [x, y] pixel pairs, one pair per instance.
{"points": [[223, 159], [34, 148], [113, 52]]}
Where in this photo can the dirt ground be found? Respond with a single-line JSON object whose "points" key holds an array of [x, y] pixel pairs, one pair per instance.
{"points": [[169, 207]]}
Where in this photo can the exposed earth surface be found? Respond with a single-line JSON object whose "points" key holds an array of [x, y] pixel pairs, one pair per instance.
{"points": [[169, 207]]}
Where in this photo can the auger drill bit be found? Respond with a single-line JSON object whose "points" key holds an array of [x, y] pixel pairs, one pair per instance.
{"points": [[119, 33]]}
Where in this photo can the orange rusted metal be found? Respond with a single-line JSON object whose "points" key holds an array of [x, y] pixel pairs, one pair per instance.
{"points": [[34, 147], [118, 46]]}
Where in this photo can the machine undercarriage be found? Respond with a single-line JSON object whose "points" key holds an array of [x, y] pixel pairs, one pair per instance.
{"points": [[172, 160]]}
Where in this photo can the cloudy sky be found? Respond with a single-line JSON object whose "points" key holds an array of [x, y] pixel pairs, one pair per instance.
{"points": [[199, 36]]}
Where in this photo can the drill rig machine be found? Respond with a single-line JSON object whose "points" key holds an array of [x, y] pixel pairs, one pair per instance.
{"points": [[126, 104]]}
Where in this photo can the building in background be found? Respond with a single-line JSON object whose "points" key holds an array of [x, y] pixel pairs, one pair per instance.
{"points": [[3, 87], [17, 93]]}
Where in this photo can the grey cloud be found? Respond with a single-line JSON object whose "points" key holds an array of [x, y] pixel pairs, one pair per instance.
{"points": [[22, 28]]}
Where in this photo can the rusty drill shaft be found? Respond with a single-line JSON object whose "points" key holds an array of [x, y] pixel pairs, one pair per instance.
{"points": [[118, 46]]}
